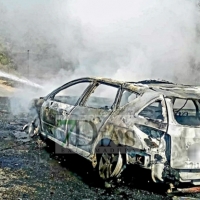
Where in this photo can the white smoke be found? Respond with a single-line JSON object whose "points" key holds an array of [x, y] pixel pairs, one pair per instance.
{"points": [[140, 39], [129, 40], [122, 39]]}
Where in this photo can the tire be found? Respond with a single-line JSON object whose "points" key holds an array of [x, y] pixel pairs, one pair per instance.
{"points": [[110, 166]]}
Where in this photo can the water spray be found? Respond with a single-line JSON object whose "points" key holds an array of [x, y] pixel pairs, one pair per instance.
{"points": [[21, 80]]}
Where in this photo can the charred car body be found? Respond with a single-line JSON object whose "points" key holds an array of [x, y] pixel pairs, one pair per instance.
{"points": [[155, 125]]}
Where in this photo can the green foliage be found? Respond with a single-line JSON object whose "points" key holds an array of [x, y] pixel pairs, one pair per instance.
{"points": [[4, 60]]}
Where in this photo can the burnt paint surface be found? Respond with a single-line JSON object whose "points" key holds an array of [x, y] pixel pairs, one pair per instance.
{"points": [[54, 117], [124, 128], [185, 144], [88, 122]]}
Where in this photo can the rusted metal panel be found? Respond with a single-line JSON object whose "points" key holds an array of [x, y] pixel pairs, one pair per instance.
{"points": [[189, 190]]}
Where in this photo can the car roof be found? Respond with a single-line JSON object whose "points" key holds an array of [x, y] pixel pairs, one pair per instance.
{"points": [[169, 89], [166, 88]]}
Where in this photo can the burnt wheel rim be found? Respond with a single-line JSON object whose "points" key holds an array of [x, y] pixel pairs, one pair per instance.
{"points": [[110, 165]]}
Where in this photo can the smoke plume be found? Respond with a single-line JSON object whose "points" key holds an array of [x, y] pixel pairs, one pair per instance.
{"points": [[121, 39]]}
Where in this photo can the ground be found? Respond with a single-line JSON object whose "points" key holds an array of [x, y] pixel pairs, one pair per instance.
{"points": [[29, 170]]}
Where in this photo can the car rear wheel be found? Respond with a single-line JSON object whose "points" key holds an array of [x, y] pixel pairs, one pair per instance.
{"points": [[110, 167]]}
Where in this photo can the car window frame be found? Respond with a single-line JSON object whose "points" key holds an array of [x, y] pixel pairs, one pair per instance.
{"points": [[171, 118], [186, 99], [171, 107], [120, 98], [164, 110], [69, 84], [116, 101]]}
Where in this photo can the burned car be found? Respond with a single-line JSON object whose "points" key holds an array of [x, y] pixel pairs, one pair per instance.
{"points": [[155, 125]]}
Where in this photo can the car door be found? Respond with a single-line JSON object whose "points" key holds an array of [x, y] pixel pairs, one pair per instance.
{"points": [[56, 109], [151, 120], [91, 114]]}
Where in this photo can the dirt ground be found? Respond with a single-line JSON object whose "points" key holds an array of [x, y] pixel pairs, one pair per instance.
{"points": [[31, 171]]}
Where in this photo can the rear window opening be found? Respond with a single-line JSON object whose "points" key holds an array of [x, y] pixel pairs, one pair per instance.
{"points": [[153, 111], [186, 111]]}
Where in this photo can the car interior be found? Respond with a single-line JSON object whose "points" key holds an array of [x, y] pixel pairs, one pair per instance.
{"points": [[186, 111]]}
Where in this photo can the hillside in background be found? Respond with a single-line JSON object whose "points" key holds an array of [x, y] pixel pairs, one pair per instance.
{"points": [[13, 72], [6, 62], [6, 65]]}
